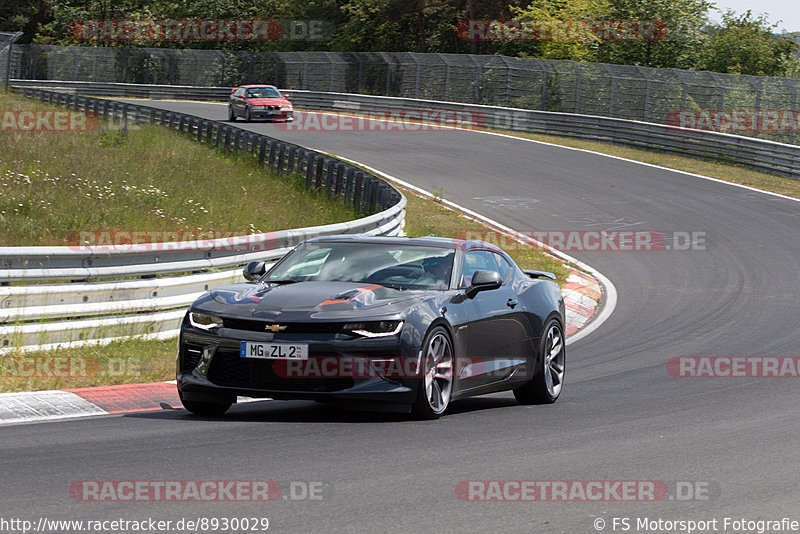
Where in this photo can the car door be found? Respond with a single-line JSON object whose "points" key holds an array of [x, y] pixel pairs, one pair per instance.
{"points": [[496, 336], [238, 101]]}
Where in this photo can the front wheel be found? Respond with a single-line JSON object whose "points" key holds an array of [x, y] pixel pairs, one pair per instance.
{"points": [[247, 117], [205, 408], [548, 379], [231, 114], [436, 383]]}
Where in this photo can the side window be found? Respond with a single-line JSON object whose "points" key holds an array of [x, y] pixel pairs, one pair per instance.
{"points": [[238, 92], [478, 260], [503, 264]]}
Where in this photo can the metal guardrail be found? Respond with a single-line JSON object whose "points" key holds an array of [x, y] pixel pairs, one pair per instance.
{"points": [[49, 315], [633, 92], [757, 154]]}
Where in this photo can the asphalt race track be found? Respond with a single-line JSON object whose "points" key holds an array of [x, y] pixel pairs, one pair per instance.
{"points": [[621, 416]]}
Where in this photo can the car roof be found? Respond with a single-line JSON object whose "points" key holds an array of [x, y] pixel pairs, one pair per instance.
{"points": [[256, 85], [431, 241]]}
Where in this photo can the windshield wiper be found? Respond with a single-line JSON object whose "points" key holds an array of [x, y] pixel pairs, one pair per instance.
{"points": [[281, 282], [400, 287]]}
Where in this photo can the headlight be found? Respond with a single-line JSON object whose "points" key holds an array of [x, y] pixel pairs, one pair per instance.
{"points": [[204, 321], [374, 328], [286, 108]]}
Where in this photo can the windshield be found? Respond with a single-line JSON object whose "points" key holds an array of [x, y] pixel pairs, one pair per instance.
{"points": [[391, 265], [263, 92]]}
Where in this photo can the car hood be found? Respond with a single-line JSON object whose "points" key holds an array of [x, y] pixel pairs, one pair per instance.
{"points": [[306, 300], [268, 102]]}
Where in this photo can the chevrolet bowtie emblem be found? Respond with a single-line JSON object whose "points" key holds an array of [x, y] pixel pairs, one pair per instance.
{"points": [[275, 328]]}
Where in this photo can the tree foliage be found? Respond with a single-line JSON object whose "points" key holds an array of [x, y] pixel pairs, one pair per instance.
{"points": [[745, 44], [740, 44]]}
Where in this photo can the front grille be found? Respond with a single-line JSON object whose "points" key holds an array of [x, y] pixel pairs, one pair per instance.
{"points": [[231, 370], [291, 328], [190, 356]]}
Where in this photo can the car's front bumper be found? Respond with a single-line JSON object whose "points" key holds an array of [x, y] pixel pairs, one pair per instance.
{"points": [[209, 366], [276, 115]]}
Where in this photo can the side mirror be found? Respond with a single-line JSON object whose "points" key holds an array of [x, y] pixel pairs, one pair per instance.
{"points": [[287, 97], [484, 281], [254, 270]]}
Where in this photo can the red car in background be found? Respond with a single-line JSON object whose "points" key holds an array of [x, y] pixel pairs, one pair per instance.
{"points": [[259, 102]]}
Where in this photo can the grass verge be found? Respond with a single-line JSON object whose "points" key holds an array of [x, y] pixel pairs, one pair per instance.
{"points": [[726, 171], [55, 185]]}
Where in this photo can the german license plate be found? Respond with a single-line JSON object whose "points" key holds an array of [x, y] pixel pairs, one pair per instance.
{"points": [[274, 351]]}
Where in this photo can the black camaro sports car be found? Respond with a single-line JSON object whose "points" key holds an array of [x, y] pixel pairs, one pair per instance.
{"points": [[398, 324]]}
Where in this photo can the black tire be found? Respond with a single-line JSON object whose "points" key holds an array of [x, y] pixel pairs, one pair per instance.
{"points": [[212, 408], [548, 379], [231, 114], [247, 117], [434, 388]]}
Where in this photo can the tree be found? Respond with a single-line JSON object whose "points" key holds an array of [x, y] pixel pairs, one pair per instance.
{"points": [[744, 44], [571, 16], [685, 22], [25, 16]]}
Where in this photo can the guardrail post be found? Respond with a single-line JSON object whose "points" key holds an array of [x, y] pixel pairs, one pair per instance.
{"points": [[329, 178], [272, 152], [358, 192], [318, 174], [227, 130], [372, 193], [339, 180], [290, 160], [200, 126], [350, 185], [385, 196], [262, 150], [310, 162], [218, 136], [281, 158]]}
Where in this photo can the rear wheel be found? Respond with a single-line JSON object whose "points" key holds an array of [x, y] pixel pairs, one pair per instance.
{"points": [[210, 407], [436, 383], [548, 379]]}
